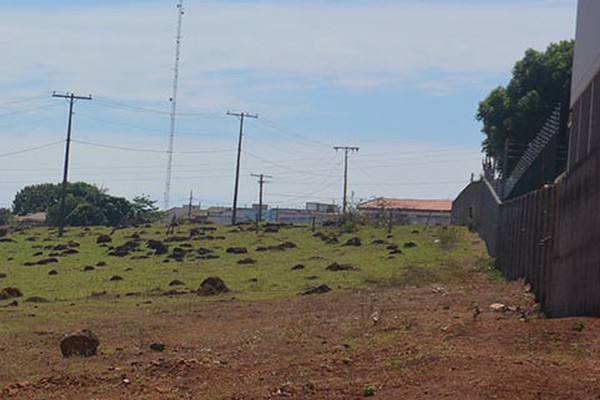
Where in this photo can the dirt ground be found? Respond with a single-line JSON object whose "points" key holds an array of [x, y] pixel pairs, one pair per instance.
{"points": [[390, 343]]}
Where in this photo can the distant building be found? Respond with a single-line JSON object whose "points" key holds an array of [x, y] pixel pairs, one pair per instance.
{"points": [[322, 207], [222, 215], [409, 211], [38, 218]]}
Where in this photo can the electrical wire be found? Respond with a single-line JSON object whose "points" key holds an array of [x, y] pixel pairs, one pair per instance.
{"points": [[13, 153]]}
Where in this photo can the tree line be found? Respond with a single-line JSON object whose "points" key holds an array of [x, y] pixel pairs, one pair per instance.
{"points": [[85, 205]]}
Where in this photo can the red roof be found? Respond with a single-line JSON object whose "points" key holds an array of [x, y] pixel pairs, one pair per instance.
{"points": [[407, 204]]}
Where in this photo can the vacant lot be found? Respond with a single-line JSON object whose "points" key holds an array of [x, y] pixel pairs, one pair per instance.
{"points": [[408, 316]]}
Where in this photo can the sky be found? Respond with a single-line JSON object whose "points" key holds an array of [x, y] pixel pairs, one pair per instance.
{"points": [[400, 79]]}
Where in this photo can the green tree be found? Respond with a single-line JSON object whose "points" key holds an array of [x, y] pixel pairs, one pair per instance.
{"points": [[518, 111], [5, 216], [85, 204], [145, 209], [36, 198], [86, 214]]}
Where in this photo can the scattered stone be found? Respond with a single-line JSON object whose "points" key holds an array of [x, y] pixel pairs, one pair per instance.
{"points": [[128, 269], [392, 247], [212, 286], [317, 290], [410, 245], [103, 239], [101, 264], [69, 252], [253, 280], [312, 277], [203, 251], [39, 253], [2, 275], [176, 282], [208, 257], [247, 261], [297, 267], [271, 229], [236, 250], [354, 242], [10, 293], [174, 292], [53, 272], [379, 241], [158, 247], [83, 343], [73, 244], [45, 261], [88, 268], [341, 267], [415, 232], [158, 347], [176, 239], [6, 240], [396, 251], [116, 278], [37, 299], [499, 307]]}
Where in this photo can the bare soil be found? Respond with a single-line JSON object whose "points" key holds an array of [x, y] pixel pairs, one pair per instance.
{"points": [[432, 342]]}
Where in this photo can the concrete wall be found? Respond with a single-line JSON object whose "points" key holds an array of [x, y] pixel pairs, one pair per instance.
{"points": [[586, 63], [576, 271], [478, 207]]}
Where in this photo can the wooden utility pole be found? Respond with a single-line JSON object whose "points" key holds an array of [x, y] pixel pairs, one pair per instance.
{"points": [[190, 205], [261, 182], [239, 157], [347, 149], [63, 194]]}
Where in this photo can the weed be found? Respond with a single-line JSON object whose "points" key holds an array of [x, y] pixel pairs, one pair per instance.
{"points": [[368, 390]]}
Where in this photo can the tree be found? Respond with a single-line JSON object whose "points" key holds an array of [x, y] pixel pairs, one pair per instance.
{"points": [[518, 111], [145, 209], [85, 204], [36, 198], [5, 216]]}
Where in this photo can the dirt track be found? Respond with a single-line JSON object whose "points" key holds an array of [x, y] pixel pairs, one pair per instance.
{"points": [[414, 343]]}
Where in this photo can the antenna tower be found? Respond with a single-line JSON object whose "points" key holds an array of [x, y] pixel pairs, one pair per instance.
{"points": [[174, 103]]}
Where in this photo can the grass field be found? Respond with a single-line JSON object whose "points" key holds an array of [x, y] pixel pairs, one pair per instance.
{"points": [[436, 253]]}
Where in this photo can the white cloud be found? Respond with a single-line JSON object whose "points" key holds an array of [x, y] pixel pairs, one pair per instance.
{"points": [[127, 51]]}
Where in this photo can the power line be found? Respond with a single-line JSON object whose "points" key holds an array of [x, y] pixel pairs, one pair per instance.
{"points": [[139, 150], [14, 153]]}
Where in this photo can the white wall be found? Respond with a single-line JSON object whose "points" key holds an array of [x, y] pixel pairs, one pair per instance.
{"points": [[587, 47]]}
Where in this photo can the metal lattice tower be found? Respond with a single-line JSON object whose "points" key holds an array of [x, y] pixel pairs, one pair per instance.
{"points": [[174, 103]]}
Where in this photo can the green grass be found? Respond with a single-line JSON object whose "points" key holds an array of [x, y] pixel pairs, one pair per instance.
{"points": [[441, 254]]}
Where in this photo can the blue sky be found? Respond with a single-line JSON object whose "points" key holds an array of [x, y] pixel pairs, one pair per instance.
{"points": [[400, 79]]}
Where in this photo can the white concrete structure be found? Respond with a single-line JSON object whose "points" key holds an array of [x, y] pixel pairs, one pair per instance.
{"points": [[586, 63]]}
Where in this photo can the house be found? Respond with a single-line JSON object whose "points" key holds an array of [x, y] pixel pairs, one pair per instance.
{"points": [[409, 211]]}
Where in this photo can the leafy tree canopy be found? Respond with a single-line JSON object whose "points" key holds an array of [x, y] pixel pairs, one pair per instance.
{"points": [[5, 216], [85, 204], [518, 111]]}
